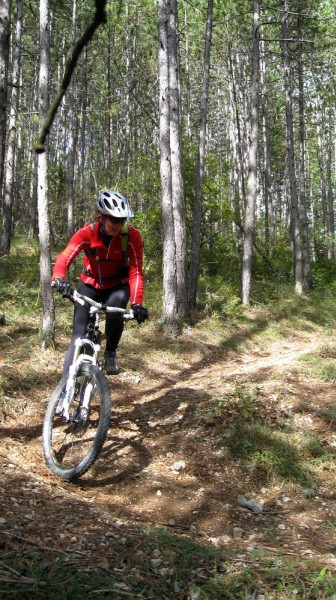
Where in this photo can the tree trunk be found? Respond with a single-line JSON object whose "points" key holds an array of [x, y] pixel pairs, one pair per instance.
{"points": [[252, 181], [5, 11], [295, 224], [197, 209], [177, 160], [307, 278], [11, 142], [268, 201], [48, 319], [239, 197], [71, 139], [172, 200], [330, 199]]}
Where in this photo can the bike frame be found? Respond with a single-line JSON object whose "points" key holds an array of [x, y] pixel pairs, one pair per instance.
{"points": [[79, 357]]}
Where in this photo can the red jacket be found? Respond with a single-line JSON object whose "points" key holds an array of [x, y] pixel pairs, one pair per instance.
{"points": [[104, 266]]}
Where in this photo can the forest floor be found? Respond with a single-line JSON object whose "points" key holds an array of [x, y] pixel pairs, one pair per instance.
{"points": [[201, 426]]}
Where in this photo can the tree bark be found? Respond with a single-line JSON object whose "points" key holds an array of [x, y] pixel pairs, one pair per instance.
{"points": [[72, 139], [267, 177], [252, 180], [7, 221], [295, 224], [172, 198], [5, 11], [307, 277], [48, 317], [197, 209]]}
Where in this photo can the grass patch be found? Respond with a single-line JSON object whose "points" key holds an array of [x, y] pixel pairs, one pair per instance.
{"points": [[268, 451], [329, 415], [247, 424], [321, 365], [155, 564]]}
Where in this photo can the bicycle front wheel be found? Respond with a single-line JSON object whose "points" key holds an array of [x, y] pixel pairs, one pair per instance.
{"points": [[71, 446]]}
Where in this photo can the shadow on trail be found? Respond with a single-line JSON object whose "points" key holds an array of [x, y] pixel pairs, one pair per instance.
{"points": [[20, 433], [100, 473]]}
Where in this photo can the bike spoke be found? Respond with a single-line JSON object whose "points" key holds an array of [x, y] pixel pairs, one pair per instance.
{"points": [[73, 439]]}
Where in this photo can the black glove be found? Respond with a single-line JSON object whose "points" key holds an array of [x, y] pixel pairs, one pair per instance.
{"points": [[140, 313], [63, 286]]}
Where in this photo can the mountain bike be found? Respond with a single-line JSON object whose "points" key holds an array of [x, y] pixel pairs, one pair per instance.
{"points": [[77, 418]]}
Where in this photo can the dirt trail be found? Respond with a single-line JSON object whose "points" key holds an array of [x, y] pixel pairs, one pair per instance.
{"points": [[164, 464]]}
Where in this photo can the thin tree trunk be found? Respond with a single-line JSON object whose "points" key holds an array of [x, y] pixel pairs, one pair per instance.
{"points": [[197, 209], [83, 135], [177, 160], [172, 200], [169, 254], [187, 75], [239, 197], [252, 181], [5, 11], [268, 201], [295, 224], [127, 96], [71, 139], [307, 278], [330, 199], [320, 158], [48, 319], [237, 131], [11, 142]]}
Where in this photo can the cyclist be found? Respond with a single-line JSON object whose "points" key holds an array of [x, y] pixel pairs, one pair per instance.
{"points": [[112, 271]]}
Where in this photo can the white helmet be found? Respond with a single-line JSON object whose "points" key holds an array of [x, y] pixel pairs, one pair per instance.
{"points": [[110, 202]]}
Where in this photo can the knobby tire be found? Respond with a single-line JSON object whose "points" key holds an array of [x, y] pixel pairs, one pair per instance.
{"points": [[71, 448]]}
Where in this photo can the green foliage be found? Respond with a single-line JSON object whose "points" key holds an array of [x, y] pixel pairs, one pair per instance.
{"points": [[149, 223], [269, 452], [20, 278], [322, 364], [189, 569], [242, 402], [241, 417]]}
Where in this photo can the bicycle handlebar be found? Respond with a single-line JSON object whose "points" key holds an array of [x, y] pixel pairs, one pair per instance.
{"points": [[127, 314]]}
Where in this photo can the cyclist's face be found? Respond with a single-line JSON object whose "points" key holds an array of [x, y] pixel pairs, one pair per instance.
{"points": [[112, 226]]}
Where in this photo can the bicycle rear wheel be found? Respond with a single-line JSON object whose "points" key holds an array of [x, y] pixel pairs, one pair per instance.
{"points": [[71, 447]]}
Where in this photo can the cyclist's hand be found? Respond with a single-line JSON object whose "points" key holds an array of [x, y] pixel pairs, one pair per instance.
{"points": [[140, 313], [64, 287]]}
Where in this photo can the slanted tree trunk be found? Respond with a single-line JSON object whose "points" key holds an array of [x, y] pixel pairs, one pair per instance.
{"points": [[48, 317], [172, 191], [5, 10], [98, 19], [252, 180], [197, 209], [11, 143]]}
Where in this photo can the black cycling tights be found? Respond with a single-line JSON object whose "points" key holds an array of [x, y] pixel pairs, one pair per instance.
{"points": [[117, 296]]}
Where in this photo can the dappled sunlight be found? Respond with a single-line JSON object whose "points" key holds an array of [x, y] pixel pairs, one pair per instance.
{"points": [[197, 422]]}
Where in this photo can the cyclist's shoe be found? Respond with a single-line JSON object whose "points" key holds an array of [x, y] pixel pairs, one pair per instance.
{"points": [[112, 367]]}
